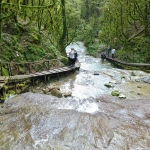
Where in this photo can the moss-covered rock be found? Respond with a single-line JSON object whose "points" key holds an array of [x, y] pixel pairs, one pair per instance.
{"points": [[56, 93], [108, 85], [115, 93]]}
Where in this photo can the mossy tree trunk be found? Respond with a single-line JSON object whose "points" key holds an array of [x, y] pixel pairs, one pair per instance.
{"points": [[63, 38], [0, 19], [146, 19]]}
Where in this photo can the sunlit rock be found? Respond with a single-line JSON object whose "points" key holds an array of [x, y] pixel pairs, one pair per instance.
{"points": [[122, 96], [45, 91], [53, 86], [67, 93]]}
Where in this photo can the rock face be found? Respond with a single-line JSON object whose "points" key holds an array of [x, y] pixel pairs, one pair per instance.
{"points": [[37, 121]]}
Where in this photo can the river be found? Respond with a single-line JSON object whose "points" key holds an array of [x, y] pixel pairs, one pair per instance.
{"points": [[91, 119]]}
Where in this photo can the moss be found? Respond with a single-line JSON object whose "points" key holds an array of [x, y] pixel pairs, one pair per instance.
{"points": [[23, 84], [5, 72], [64, 60], [6, 95], [93, 49], [5, 88], [2, 99], [11, 92], [115, 93]]}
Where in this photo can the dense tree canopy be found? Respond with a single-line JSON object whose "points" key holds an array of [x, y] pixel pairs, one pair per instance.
{"points": [[121, 24]]}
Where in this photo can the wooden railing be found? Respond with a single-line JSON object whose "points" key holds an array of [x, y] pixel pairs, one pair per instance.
{"points": [[142, 66], [13, 68]]}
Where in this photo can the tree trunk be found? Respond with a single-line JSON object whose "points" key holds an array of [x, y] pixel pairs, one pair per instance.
{"points": [[64, 32], [0, 19]]}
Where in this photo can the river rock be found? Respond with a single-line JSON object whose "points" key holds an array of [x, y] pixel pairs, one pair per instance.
{"points": [[115, 93], [122, 96], [114, 82], [67, 93], [45, 91], [56, 93], [51, 87], [108, 85], [135, 78], [146, 79]]}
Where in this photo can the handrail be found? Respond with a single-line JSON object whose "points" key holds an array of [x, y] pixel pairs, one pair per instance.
{"points": [[129, 64], [15, 68]]}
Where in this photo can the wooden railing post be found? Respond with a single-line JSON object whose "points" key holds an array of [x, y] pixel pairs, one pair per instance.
{"points": [[10, 69], [29, 68], [48, 66], [1, 68]]}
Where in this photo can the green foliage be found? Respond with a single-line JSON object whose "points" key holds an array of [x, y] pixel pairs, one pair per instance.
{"points": [[5, 88], [125, 25], [11, 92], [64, 60], [5, 72], [137, 51], [35, 39], [93, 49]]}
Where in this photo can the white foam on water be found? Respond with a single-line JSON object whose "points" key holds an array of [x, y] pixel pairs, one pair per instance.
{"points": [[88, 107]]}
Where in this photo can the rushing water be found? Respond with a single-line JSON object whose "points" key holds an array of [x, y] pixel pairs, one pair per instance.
{"points": [[91, 119]]}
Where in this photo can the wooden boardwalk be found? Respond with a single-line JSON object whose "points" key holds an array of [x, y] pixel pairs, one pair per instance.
{"points": [[138, 65], [46, 74], [17, 80]]}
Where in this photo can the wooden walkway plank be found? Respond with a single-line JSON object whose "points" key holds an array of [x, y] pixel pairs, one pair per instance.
{"points": [[52, 71], [3, 79], [39, 74], [63, 70], [58, 70], [34, 75], [46, 72], [68, 68]]}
